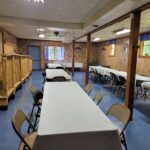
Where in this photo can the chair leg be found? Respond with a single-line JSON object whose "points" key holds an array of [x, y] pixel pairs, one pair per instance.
{"points": [[123, 141], [37, 115], [31, 117], [115, 88], [118, 92]]}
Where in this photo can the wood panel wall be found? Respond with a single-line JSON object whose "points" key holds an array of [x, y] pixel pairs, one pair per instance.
{"points": [[10, 43], [23, 47], [79, 53], [119, 61]]}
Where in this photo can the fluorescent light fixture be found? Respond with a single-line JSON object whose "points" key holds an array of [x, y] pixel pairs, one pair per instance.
{"points": [[36, 1], [40, 29], [96, 39], [41, 35], [122, 31]]}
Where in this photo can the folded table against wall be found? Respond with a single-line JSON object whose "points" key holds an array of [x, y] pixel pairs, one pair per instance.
{"points": [[70, 120]]}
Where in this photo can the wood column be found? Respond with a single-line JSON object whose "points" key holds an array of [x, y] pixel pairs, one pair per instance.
{"points": [[132, 59], [88, 46], [73, 49]]}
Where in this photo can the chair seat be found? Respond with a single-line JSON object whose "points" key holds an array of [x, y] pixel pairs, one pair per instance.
{"points": [[30, 139]]}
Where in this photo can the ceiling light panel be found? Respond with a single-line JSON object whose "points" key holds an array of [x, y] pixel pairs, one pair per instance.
{"points": [[37, 1]]}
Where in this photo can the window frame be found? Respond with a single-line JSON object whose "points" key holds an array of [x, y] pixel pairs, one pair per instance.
{"points": [[110, 49], [142, 49], [55, 49]]}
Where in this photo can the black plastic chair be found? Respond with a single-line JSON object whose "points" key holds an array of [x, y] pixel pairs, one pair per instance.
{"points": [[37, 97], [122, 88], [115, 82]]}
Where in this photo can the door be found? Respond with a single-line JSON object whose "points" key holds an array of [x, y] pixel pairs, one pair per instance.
{"points": [[34, 51]]}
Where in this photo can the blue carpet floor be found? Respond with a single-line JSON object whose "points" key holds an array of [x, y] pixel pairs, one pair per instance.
{"points": [[137, 133]]}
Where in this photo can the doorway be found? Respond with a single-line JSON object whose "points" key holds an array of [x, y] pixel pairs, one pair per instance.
{"points": [[34, 51]]}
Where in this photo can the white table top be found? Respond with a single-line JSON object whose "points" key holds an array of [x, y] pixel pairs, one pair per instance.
{"points": [[146, 85], [69, 65], [70, 114], [53, 66], [106, 71], [51, 73]]}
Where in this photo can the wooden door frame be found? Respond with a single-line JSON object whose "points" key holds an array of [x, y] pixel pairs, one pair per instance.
{"points": [[39, 49]]}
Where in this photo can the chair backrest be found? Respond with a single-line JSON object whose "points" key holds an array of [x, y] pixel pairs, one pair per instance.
{"points": [[122, 113], [37, 95], [92, 70], [114, 77], [17, 122], [88, 88], [59, 79], [122, 79], [98, 96], [32, 89]]}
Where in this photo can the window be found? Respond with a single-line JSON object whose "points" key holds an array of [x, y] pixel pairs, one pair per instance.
{"points": [[54, 53], [112, 47], [145, 45]]}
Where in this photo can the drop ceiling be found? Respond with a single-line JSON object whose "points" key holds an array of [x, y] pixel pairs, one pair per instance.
{"points": [[72, 18]]}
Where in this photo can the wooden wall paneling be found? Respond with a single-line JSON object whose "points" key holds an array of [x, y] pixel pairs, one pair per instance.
{"points": [[119, 61], [10, 43], [24, 43]]}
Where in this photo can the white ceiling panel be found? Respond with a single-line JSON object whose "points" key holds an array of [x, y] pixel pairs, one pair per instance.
{"points": [[72, 18]]}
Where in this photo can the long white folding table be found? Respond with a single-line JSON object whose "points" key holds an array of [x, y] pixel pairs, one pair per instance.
{"points": [[70, 120], [53, 66], [106, 71], [51, 73]]}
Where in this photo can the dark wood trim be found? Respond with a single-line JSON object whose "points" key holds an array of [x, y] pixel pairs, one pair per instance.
{"points": [[88, 47], [40, 40], [73, 57], [143, 7], [132, 59]]}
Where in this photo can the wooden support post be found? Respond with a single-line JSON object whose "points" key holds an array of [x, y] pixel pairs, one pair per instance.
{"points": [[73, 48], [132, 59], [88, 45]]}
